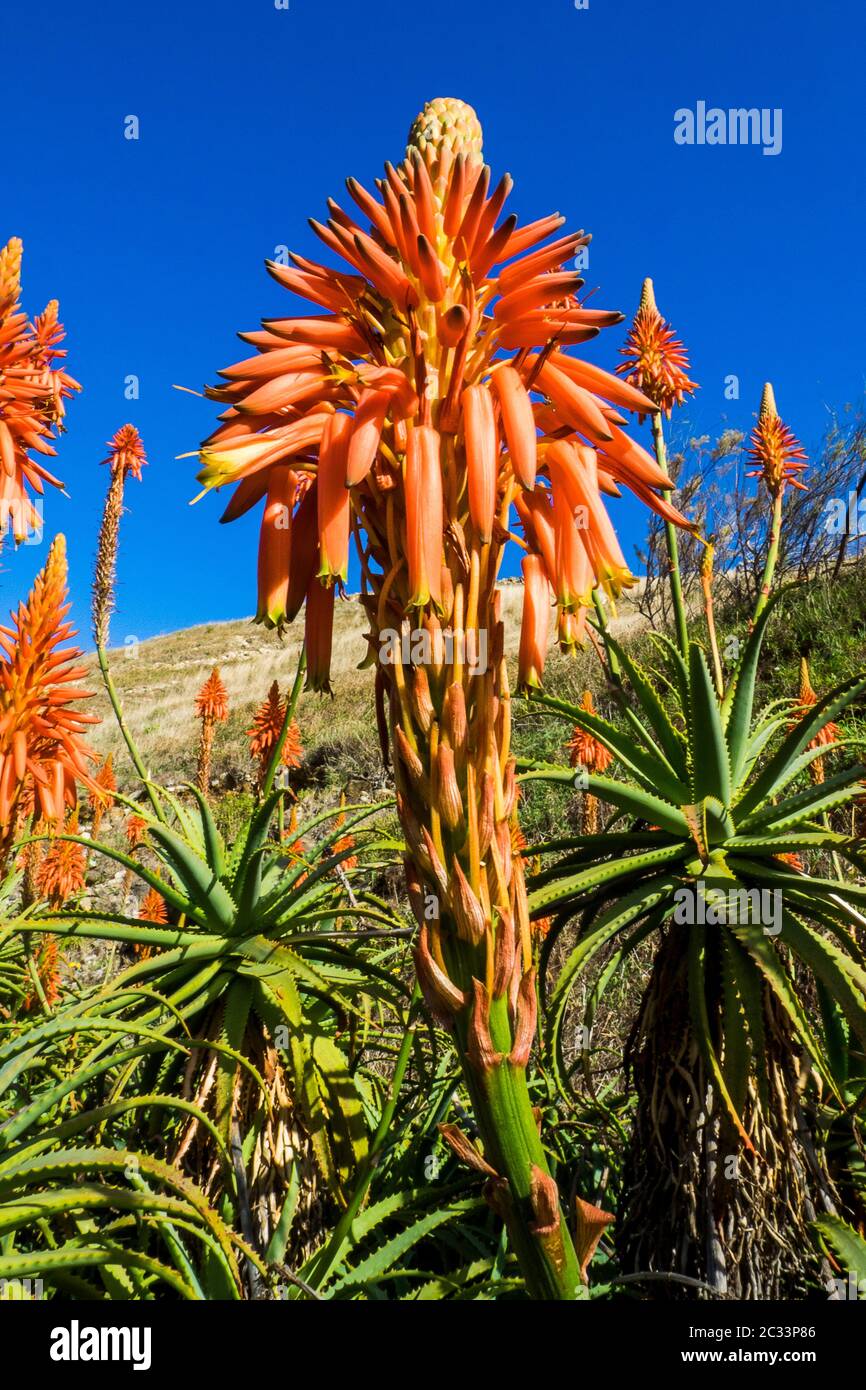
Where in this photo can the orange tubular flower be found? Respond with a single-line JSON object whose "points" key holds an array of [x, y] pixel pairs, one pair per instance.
{"points": [[535, 626], [33, 392], [423, 341], [776, 453], [41, 744], [212, 708], [655, 361]]}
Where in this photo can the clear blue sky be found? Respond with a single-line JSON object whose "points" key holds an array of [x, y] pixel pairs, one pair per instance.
{"points": [[250, 116]]}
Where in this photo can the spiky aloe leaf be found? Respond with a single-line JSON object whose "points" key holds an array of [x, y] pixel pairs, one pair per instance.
{"points": [[209, 895], [846, 1243], [710, 768], [737, 704], [808, 804], [621, 914], [647, 765], [749, 987], [214, 845], [634, 800], [736, 1052], [842, 977], [569, 888], [703, 1031], [757, 945], [771, 776], [672, 742], [382, 1260]]}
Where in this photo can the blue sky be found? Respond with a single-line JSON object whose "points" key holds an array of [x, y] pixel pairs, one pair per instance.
{"points": [[250, 116]]}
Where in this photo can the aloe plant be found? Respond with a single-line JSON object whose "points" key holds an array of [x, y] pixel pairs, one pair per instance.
{"points": [[714, 798], [278, 969], [83, 1214]]}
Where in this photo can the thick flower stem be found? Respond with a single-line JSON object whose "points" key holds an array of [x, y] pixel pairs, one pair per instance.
{"points": [[456, 795], [672, 545], [512, 1145], [771, 560]]}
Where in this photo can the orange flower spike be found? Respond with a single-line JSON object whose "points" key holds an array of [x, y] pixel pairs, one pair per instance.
{"points": [[126, 458], [425, 473], [60, 873], [32, 394], [100, 797], [126, 453], [482, 450], [535, 626], [585, 749], [346, 842], [423, 482], [266, 728], [40, 727], [48, 969], [830, 732], [135, 828], [655, 360], [776, 453], [518, 424], [334, 503], [153, 908], [212, 701]]}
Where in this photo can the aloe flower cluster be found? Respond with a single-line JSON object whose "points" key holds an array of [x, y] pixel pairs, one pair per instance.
{"points": [[34, 388], [430, 407], [42, 750]]}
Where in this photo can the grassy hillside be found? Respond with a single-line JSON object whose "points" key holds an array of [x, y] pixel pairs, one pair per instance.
{"points": [[158, 681]]}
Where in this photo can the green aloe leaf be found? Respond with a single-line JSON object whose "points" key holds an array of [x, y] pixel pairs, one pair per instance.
{"points": [[774, 773], [671, 740], [634, 800], [711, 767], [702, 1027], [738, 701], [568, 888]]}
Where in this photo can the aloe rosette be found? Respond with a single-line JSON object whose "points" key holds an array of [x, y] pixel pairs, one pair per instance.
{"points": [[709, 813]]}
